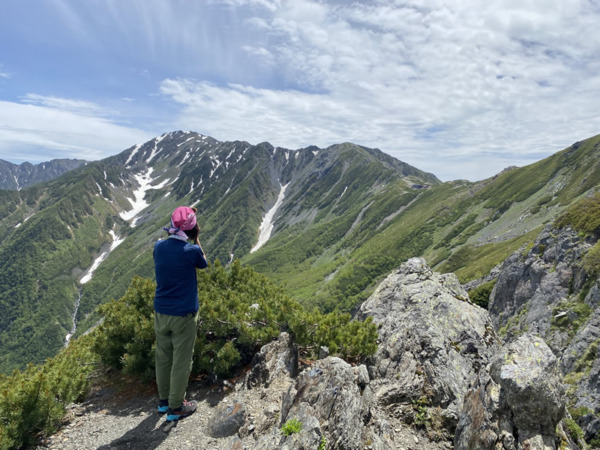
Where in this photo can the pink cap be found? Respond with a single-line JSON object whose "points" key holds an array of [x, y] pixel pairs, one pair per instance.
{"points": [[183, 218]]}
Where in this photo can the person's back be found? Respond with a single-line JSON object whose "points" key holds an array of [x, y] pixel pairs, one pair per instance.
{"points": [[175, 263]]}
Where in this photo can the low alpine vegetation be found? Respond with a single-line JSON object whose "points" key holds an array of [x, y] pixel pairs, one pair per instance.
{"points": [[33, 401], [240, 310]]}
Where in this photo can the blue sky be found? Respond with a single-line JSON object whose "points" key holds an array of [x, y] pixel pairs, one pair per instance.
{"points": [[459, 88]]}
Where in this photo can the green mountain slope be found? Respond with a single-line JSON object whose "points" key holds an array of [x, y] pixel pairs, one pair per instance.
{"points": [[461, 227], [348, 216], [73, 243]]}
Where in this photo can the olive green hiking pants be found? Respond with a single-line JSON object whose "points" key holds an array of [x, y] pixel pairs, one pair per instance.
{"points": [[175, 336]]}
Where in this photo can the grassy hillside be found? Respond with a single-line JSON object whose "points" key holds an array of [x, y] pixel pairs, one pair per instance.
{"points": [[462, 227]]}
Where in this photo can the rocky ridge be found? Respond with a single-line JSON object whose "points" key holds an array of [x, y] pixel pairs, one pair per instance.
{"points": [[439, 379], [19, 176], [547, 290]]}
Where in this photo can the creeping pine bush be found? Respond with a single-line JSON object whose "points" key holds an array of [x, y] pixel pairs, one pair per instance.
{"points": [[240, 310], [33, 401], [481, 294]]}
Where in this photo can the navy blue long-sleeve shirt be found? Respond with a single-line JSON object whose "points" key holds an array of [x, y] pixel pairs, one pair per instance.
{"points": [[175, 264]]}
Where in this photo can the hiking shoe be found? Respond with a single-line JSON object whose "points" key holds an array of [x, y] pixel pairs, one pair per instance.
{"points": [[163, 406], [184, 410]]}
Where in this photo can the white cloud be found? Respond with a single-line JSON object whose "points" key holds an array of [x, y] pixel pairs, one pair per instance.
{"points": [[37, 133], [461, 88], [81, 107], [439, 86], [4, 74]]}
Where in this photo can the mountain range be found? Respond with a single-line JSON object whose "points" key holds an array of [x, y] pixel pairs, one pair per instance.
{"points": [[328, 224], [19, 176]]}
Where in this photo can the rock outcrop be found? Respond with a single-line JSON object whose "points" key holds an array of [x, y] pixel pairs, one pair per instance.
{"points": [[432, 340], [545, 290], [517, 404], [533, 284]]}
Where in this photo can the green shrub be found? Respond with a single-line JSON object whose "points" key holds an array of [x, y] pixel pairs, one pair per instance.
{"points": [[322, 443], [33, 401], [574, 430], [240, 310], [291, 426], [591, 260], [481, 294], [125, 339]]}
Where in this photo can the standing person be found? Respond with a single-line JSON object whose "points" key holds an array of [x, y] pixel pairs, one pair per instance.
{"points": [[176, 310]]}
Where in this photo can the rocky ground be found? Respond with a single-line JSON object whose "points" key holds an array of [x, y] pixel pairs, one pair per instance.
{"points": [[120, 413]]}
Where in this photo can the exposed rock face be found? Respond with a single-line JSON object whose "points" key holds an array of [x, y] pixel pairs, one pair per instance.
{"points": [[531, 285], [547, 292], [327, 395], [518, 404], [433, 341], [277, 359]]}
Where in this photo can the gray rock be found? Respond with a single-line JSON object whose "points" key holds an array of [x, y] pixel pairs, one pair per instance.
{"points": [[432, 340], [531, 285], [323, 352], [276, 359], [546, 291], [227, 419], [519, 404], [531, 381], [328, 392]]}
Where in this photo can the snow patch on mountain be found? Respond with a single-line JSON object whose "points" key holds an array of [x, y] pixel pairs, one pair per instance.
{"points": [[155, 150], [88, 275], [187, 140], [266, 227], [115, 243], [215, 160], [132, 154], [116, 240], [138, 202]]}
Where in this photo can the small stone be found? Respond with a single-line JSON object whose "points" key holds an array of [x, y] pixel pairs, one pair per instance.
{"points": [[416, 439]]}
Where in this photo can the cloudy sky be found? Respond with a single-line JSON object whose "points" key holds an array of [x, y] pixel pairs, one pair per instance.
{"points": [[459, 88]]}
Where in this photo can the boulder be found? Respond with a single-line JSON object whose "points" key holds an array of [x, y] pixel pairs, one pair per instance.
{"points": [[278, 359], [432, 340], [518, 404], [330, 393]]}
